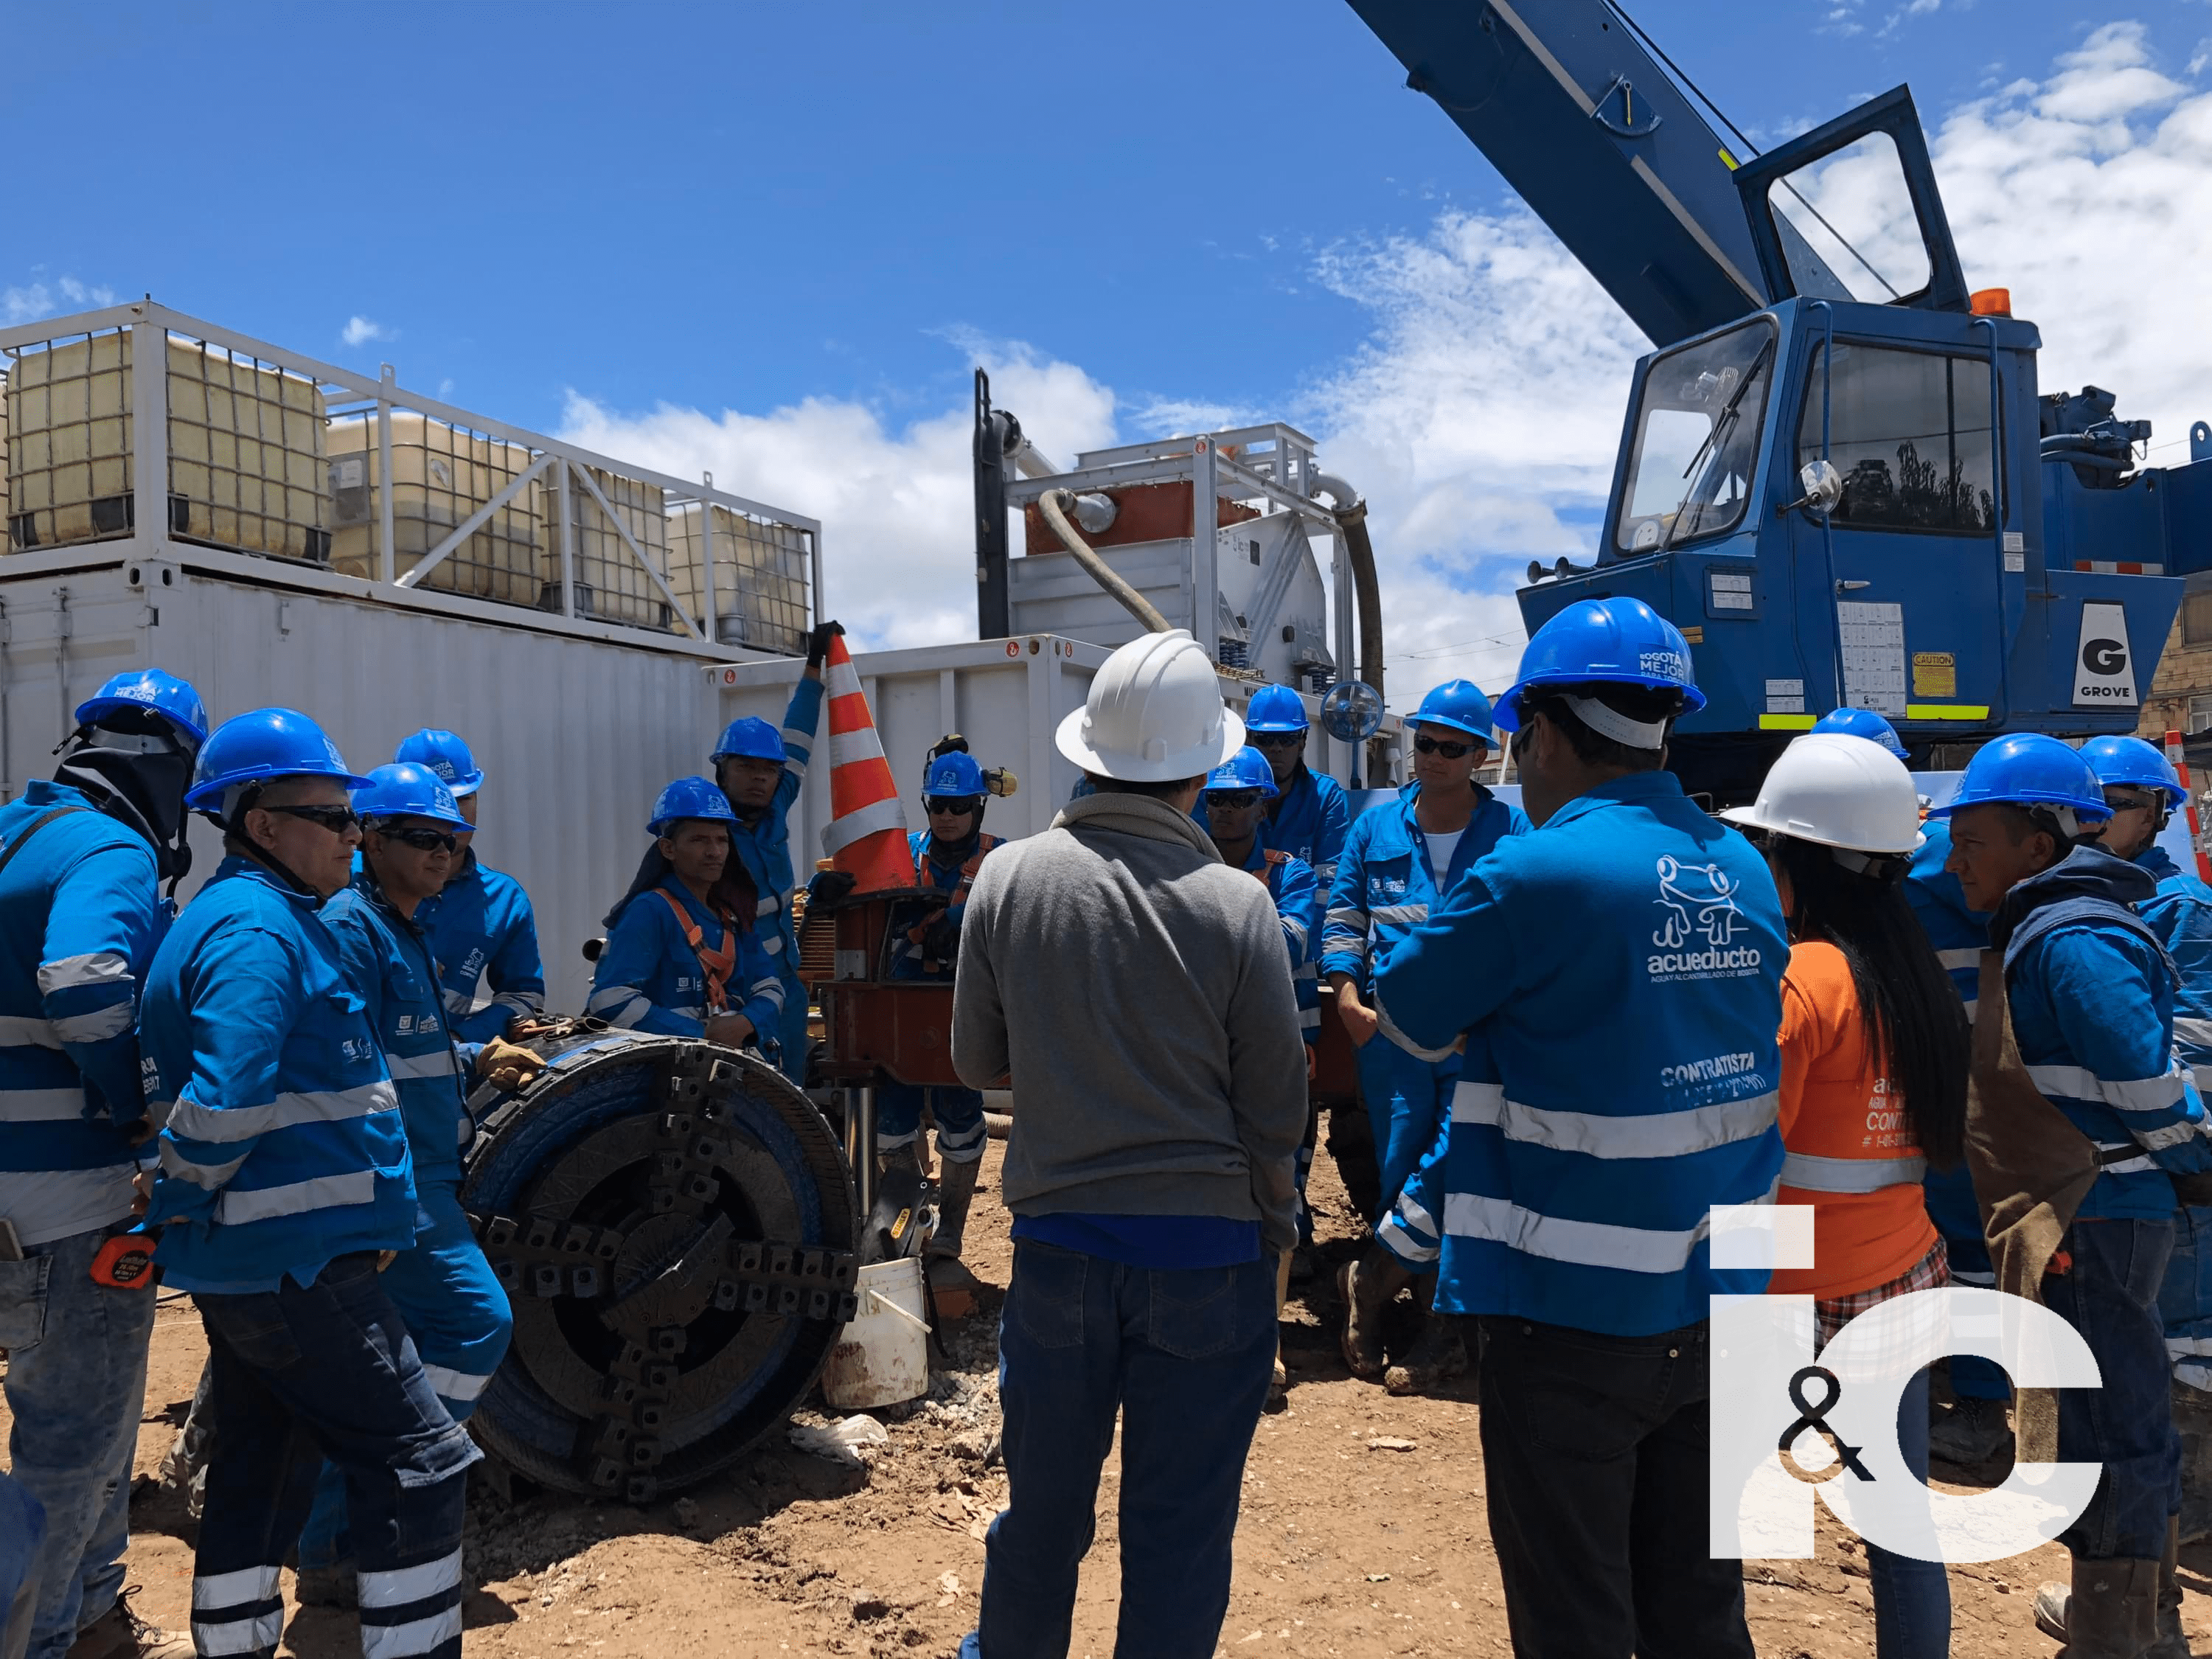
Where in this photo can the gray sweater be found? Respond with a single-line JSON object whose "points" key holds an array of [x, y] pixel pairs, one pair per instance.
{"points": [[1135, 988]]}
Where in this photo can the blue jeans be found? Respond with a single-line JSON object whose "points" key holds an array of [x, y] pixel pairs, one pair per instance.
{"points": [[1409, 1099], [2185, 1297], [328, 1371], [1185, 1355], [458, 1316], [77, 1382], [962, 1133], [2109, 1295], [1912, 1597]]}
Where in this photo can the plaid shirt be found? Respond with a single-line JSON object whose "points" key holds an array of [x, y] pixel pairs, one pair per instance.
{"points": [[1832, 1314]]}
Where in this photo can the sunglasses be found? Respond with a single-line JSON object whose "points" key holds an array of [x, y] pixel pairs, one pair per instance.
{"points": [[336, 819], [939, 804], [1439, 746], [425, 841], [2129, 800], [1232, 799], [1277, 740]]}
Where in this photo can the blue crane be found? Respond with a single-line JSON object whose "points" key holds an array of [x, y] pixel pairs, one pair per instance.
{"points": [[1837, 476]]}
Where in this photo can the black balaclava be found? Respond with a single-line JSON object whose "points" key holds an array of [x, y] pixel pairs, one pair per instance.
{"points": [[136, 770]]}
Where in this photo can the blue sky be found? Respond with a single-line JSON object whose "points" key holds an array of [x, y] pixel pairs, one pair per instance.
{"points": [[743, 207]]}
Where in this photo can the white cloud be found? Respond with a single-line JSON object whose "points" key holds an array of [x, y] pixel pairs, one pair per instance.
{"points": [[1481, 417], [360, 331], [35, 300]]}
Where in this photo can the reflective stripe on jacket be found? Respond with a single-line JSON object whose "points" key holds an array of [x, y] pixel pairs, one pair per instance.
{"points": [[283, 1145], [649, 977], [1385, 886]]}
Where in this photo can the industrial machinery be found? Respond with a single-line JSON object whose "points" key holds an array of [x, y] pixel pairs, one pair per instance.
{"points": [[1839, 475], [676, 1231]]}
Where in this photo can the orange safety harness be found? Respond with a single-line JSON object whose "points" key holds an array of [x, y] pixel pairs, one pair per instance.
{"points": [[716, 965], [959, 895]]}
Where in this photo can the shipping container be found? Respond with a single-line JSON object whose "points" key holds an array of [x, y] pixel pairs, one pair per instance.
{"points": [[244, 446], [442, 474]]}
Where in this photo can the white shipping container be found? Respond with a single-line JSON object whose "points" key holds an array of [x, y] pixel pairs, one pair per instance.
{"points": [[577, 729]]}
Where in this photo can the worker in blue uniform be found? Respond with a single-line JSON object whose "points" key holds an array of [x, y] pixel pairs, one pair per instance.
{"points": [[82, 858], [1398, 865], [1975, 1429], [443, 1286], [760, 771], [2091, 995], [1234, 803], [946, 857], [285, 1184], [1310, 814], [1617, 976], [682, 957], [2143, 790], [1862, 723], [480, 925]]}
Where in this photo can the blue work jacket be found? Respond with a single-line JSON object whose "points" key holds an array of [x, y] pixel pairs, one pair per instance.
{"points": [[388, 958], [2093, 995], [1385, 886], [481, 926], [649, 978], [1298, 903], [283, 1145], [1618, 976], [2180, 913], [764, 848], [1309, 820], [81, 913], [912, 960], [1959, 934]]}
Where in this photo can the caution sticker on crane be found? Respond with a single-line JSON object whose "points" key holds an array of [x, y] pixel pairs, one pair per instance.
{"points": [[1934, 674], [2104, 667]]}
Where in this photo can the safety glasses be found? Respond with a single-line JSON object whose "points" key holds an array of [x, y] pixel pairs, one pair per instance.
{"points": [[939, 806], [1439, 746], [2130, 800], [1277, 740], [336, 819], [1233, 800], [424, 841]]}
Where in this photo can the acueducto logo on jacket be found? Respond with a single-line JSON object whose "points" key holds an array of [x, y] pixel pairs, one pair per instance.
{"points": [[1698, 899]]}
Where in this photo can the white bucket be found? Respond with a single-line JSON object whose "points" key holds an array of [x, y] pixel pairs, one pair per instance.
{"points": [[882, 1357]]}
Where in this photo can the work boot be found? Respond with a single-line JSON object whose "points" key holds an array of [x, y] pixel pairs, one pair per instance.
{"points": [[2192, 1422], [953, 1288], [1436, 1357], [337, 1586], [2111, 1611], [120, 1633], [1970, 1434], [1367, 1286]]}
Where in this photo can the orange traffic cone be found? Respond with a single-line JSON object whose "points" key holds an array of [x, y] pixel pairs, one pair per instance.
{"points": [[867, 834], [2196, 834]]}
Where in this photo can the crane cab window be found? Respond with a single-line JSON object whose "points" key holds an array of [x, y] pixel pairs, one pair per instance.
{"points": [[1910, 432], [1697, 440]]}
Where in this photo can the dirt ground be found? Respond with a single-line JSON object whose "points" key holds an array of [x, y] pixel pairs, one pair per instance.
{"points": [[1362, 1533]]}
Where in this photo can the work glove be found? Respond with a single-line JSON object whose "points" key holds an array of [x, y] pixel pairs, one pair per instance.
{"points": [[508, 1064], [817, 643], [829, 886], [2191, 1189], [941, 943]]}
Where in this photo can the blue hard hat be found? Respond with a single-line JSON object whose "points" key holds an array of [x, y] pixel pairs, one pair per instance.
{"points": [[150, 691], [445, 754], [1862, 723], [749, 738], [260, 747], [689, 798], [1276, 709], [2131, 763], [404, 789], [1459, 704], [953, 773], [1247, 769], [2026, 768], [1618, 642]]}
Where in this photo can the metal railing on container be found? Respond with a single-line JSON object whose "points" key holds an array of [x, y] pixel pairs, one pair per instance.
{"points": [[272, 453]]}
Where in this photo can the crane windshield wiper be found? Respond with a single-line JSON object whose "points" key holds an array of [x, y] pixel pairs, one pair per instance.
{"points": [[1722, 423]]}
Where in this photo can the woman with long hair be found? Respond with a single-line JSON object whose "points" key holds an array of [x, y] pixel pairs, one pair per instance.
{"points": [[1875, 1054]]}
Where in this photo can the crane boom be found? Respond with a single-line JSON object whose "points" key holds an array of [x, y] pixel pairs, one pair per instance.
{"points": [[1598, 140]]}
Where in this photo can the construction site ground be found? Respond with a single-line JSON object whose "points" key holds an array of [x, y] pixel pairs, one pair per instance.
{"points": [[1362, 1533]]}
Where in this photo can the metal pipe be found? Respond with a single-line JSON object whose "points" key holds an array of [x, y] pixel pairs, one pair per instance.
{"points": [[1055, 504], [1352, 523], [860, 1148], [1998, 504]]}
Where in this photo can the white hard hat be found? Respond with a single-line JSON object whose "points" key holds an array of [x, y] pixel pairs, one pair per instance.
{"points": [[1838, 791], [1154, 714]]}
